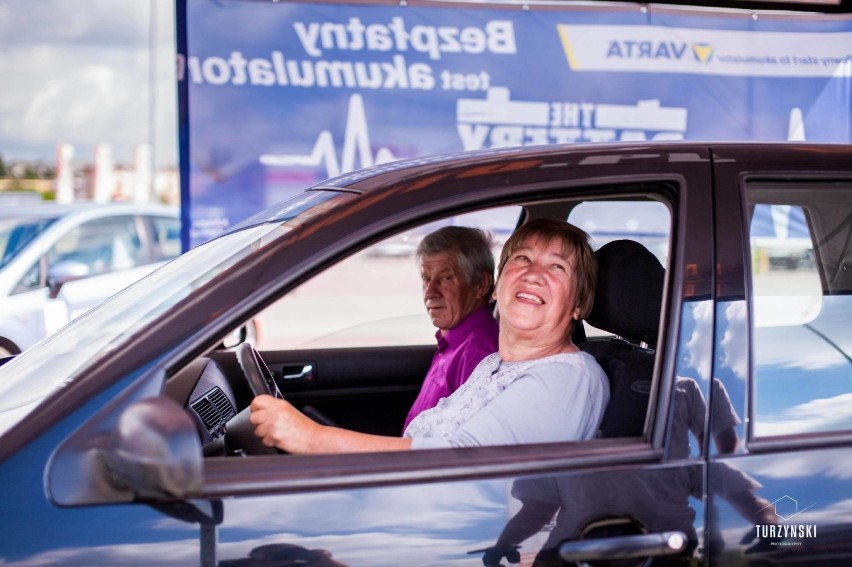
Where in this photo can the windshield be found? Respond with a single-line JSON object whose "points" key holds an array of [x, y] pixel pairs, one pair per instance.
{"points": [[54, 362], [16, 233]]}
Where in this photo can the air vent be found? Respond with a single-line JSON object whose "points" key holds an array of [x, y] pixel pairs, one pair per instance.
{"points": [[222, 403], [214, 409], [207, 412]]}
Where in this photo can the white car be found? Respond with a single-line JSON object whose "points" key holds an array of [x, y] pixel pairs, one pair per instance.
{"points": [[58, 261]]}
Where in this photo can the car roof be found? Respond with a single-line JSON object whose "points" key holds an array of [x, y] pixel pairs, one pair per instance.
{"points": [[423, 174], [379, 176], [59, 210]]}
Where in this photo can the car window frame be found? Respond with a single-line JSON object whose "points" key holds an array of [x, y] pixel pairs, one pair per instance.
{"points": [[225, 477]]}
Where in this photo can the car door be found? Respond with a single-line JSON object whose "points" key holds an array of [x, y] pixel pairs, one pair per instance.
{"points": [[779, 489]]}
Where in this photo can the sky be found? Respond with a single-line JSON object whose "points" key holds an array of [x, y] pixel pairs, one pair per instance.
{"points": [[79, 72]]}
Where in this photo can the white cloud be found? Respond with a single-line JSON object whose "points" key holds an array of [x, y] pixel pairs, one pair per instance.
{"points": [[735, 340], [824, 414], [838, 513], [444, 506], [82, 76], [361, 527], [697, 355]]}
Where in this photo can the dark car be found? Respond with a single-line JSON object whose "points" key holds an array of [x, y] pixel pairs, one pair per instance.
{"points": [[123, 437]]}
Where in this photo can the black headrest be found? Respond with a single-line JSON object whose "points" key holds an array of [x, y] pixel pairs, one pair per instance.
{"points": [[629, 291]]}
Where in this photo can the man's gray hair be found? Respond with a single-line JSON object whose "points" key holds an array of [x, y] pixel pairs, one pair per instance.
{"points": [[470, 246]]}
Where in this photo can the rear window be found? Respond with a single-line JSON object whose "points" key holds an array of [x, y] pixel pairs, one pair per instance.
{"points": [[801, 265]]}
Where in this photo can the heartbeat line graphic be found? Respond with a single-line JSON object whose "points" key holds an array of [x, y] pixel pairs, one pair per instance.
{"points": [[356, 144]]}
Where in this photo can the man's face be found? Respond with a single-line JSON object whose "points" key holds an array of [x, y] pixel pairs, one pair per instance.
{"points": [[448, 296]]}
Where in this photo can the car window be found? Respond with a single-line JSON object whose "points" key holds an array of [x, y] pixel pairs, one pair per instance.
{"points": [[799, 240], [31, 280], [328, 318], [60, 357], [165, 238], [371, 298], [103, 328], [17, 232], [646, 222], [100, 246]]}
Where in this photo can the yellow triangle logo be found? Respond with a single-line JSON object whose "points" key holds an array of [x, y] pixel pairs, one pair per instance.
{"points": [[703, 51], [567, 47]]}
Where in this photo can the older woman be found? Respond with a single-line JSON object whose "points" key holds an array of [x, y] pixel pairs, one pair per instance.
{"points": [[539, 387]]}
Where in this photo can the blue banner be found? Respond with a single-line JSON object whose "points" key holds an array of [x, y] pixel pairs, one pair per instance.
{"points": [[281, 95]]}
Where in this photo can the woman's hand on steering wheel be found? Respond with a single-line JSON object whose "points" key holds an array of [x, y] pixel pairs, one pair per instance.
{"points": [[278, 424]]}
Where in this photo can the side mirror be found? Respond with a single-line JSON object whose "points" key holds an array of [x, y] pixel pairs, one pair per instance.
{"points": [[155, 451], [63, 272], [151, 452]]}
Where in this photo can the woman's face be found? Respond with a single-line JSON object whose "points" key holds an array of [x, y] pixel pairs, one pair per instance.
{"points": [[537, 289]]}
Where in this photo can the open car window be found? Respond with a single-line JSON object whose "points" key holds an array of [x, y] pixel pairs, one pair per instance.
{"points": [[351, 346]]}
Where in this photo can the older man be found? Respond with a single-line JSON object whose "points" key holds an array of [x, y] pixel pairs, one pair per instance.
{"points": [[457, 270]]}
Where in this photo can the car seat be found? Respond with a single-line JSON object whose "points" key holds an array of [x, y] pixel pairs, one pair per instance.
{"points": [[627, 304]]}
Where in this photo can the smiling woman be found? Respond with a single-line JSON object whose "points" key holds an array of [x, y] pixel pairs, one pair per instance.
{"points": [[537, 388]]}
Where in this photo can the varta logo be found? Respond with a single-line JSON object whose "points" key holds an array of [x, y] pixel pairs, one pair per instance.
{"points": [[703, 52], [630, 49]]}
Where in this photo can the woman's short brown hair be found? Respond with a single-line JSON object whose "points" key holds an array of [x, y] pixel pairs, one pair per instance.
{"points": [[575, 241]]}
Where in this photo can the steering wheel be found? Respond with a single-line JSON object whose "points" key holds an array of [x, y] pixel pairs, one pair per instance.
{"points": [[257, 374], [239, 432]]}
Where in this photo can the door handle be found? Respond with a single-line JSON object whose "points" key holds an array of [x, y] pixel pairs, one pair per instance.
{"points": [[623, 547], [298, 372]]}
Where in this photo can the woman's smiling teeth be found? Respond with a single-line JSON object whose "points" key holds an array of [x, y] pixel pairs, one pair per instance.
{"points": [[530, 297]]}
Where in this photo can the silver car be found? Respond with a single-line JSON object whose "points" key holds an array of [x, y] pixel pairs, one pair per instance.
{"points": [[57, 261]]}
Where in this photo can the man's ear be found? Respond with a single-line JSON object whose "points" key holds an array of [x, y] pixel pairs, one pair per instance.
{"points": [[485, 283]]}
